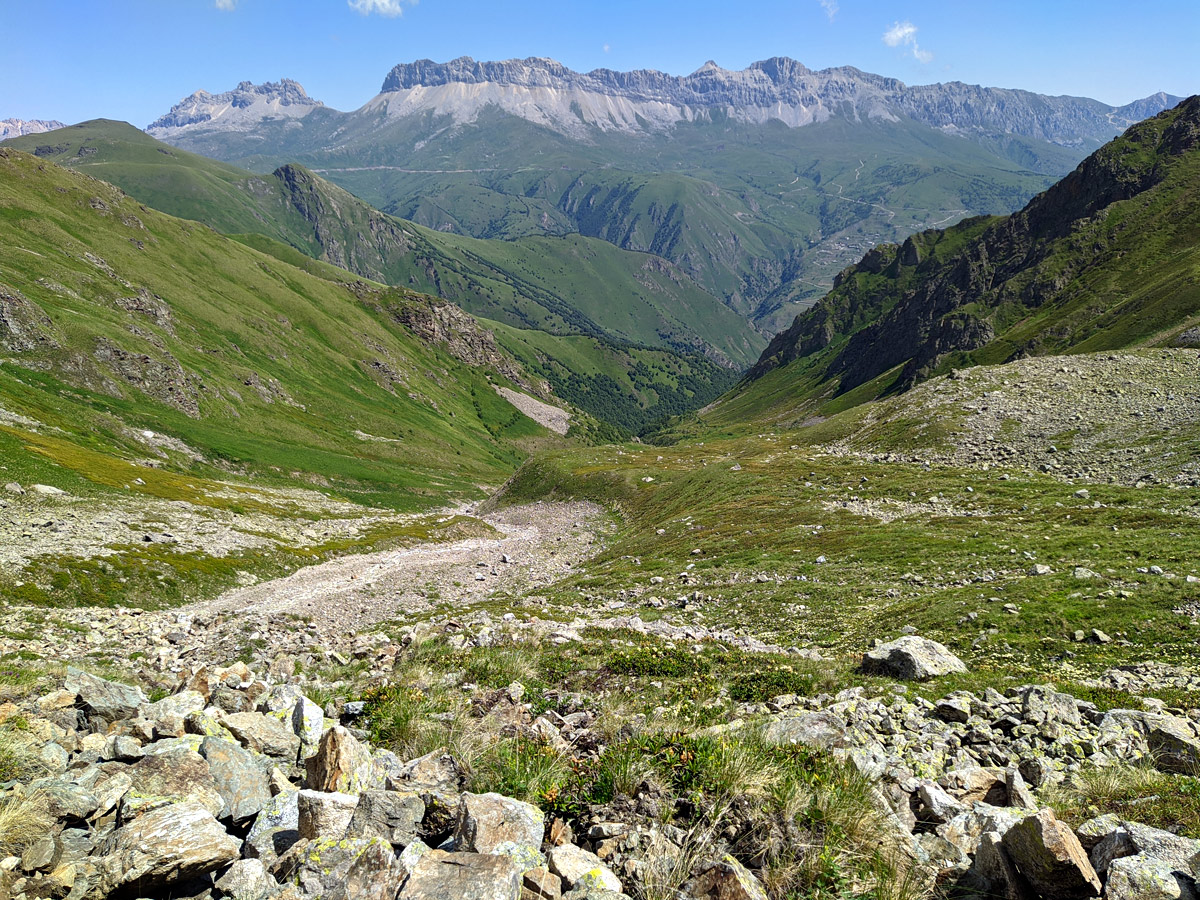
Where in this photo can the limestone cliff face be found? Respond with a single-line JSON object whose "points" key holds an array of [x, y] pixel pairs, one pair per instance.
{"points": [[779, 88], [955, 291], [578, 103]]}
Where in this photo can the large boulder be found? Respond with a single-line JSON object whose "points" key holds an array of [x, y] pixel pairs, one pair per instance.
{"points": [[1050, 857], [375, 875], [1173, 743], [324, 815], [238, 776], [163, 847], [485, 821], [911, 658], [1134, 838], [992, 873], [174, 776], [438, 875], [434, 772], [103, 702], [341, 763]]}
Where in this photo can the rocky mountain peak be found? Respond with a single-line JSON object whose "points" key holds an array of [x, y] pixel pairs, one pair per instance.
{"points": [[239, 109], [11, 128]]}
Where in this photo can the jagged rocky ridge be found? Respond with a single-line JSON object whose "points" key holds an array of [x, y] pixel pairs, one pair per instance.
{"points": [[786, 89], [242, 108], [1051, 278], [545, 91]]}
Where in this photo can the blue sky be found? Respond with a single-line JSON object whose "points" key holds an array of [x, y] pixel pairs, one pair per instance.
{"points": [[132, 59]]}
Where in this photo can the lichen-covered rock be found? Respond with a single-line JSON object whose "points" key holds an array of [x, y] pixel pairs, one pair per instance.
{"points": [[1133, 839], [276, 828], [390, 815], [376, 874], [308, 722], [1050, 857], [318, 868], [1173, 744], [437, 771], [238, 776], [992, 873], [438, 875], [578, 867], [1144, 878], [164, 846], [341, 763], [911, 658], [170, 777], [486, 821]]}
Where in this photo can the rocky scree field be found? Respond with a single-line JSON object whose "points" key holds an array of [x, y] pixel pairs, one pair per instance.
{"points": [[854, 659]]}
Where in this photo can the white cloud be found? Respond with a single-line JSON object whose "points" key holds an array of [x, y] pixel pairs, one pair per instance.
{"points": [[226, 5], [389, 8], [607, 48], [904, 34], [830, 7]]}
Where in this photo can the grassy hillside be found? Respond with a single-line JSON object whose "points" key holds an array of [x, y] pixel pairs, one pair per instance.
{"points": [[564, 285], [1109, 258], [926, 510], [118, 319]]}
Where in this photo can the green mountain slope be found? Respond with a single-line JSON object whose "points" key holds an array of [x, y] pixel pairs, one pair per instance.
{"points": [[1108, 258], [567, 285], [118, 321], [763, 216]]}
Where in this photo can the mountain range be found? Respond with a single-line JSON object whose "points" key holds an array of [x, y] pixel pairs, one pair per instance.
{"points": [[759, 185], [780, 89]]}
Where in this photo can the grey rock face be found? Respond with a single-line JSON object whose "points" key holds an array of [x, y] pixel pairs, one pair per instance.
{"points": [[1145, 878], [275, 829], [911, 658], [247, 879], [248, 102], [390, 815], [264, 734], [166, 846], [103, 702], [239, 777], [785, 84]]}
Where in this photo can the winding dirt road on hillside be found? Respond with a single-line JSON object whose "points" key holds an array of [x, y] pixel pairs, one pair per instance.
{"points": [[541, 543]]}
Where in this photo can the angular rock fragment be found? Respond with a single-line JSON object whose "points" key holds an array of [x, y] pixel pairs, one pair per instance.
{"points": [[1049, 856], [911, 658]]}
